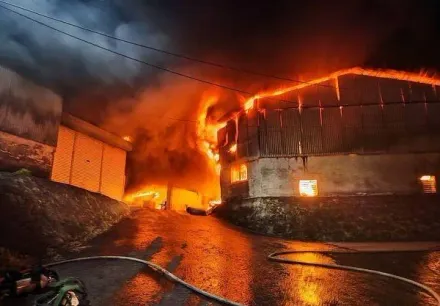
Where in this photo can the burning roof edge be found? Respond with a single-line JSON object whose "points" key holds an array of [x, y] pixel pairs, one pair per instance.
{"points": [[93, 131], [379, 73]]}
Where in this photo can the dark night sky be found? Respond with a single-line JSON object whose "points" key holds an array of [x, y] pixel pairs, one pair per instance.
{"points": [[286, 38]]}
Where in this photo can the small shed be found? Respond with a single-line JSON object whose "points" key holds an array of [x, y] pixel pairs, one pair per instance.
{"points": [[90, 158]]}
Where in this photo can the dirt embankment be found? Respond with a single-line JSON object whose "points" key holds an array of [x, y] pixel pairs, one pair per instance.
{"points": [[38, 217]]}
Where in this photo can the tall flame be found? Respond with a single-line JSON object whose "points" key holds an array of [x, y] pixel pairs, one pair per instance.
{"points": [[207, 132]]}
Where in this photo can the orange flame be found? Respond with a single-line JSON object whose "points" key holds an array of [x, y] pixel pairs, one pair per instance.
{"points": [[387, 74], [127, 138], [233, 148], [207, 132], [148, 193]]}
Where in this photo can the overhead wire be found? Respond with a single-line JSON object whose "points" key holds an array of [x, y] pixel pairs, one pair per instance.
{"points": [[130, 57], [230, 88], [205, 62]]}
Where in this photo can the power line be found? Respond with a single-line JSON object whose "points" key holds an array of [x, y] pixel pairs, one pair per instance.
{"points": [[143, 62], [131, 58], [218, 65]]}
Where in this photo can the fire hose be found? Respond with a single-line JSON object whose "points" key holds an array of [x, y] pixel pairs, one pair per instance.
{"points": [[275, 257]]}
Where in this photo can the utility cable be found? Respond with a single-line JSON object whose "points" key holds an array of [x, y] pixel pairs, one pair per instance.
{"points": [[205, 62], [132, 58]]}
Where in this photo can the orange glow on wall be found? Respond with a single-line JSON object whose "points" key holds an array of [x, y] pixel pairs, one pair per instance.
{"points": [[308, 188]]}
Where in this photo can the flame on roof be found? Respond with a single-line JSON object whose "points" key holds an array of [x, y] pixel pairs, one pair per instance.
{"points": [[387, 74]]}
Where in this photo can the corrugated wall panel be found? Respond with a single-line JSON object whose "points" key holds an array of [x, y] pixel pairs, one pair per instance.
{"points": [[349, 90], [309, 96], [262, 134], [332, 131], [352, 128], [418, 92], [429, 92], [113, 172], [416, 127], [253, 143], [291, 131], [328, 93], [311, 131], [86, 166], [415, 117], [62, 163], [391, 90], [273, 133], [369, 89], [394, 125], [373, 130]]}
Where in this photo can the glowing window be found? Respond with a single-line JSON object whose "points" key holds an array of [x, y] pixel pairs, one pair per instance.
{"points": [[308, 188], [428, 184], [238, 173]]}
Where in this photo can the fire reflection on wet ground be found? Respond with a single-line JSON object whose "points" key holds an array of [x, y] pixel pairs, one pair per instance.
{"points": [[230, 262]]}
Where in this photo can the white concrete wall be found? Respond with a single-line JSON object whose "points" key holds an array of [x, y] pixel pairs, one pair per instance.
{"points": [[343, 174]]}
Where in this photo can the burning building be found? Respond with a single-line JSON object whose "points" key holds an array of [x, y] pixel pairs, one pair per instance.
{"points": [[354, 132]]}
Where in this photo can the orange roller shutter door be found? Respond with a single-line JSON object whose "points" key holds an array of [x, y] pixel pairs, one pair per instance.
{"points": [[86, 166], [62, 162], [113, 172]]}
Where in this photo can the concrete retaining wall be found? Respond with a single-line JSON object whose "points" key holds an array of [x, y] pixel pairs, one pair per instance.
{"points": [[357, 218]]}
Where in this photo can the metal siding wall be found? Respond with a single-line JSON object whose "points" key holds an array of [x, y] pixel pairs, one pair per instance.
{"points": [[311, 131], [291, 131], [62, 164], [430, 94], [416, 125], [273, 133], [373, 115], [253, 143], [113, 172], [352, 129], [86, 166], [391, 90], [332, 131], [262, 134], [327, 93], [394, 125], [349, 90], [369, 89], [374, 136], [418, 92]]}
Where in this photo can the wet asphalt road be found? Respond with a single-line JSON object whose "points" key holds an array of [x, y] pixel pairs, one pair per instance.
{"points": [[230, 262]]}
